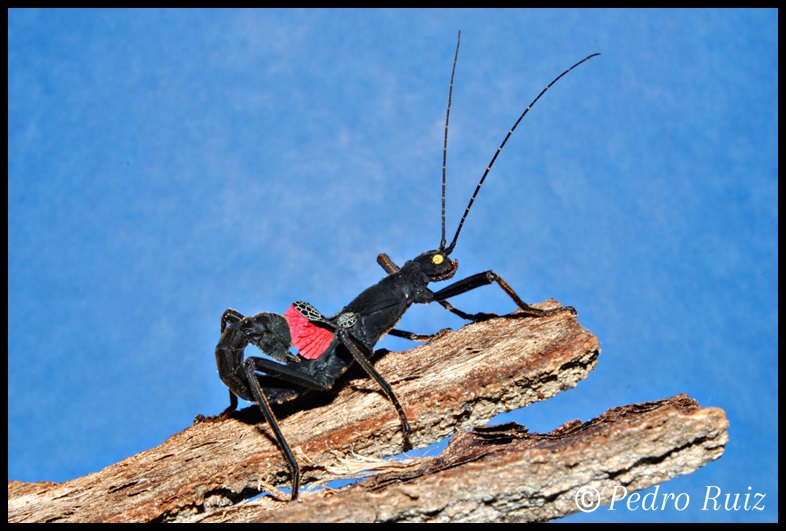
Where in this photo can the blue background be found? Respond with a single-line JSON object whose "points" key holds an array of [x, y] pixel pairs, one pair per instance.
{"points": [[166, 165]]}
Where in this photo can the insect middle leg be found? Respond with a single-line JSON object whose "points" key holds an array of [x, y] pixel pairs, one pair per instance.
{"points": [[361, 354]]}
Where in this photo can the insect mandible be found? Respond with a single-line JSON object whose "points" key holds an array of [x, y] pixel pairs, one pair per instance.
{"points": [[328, 346]]}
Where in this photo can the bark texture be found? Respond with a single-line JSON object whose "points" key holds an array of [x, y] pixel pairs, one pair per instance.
{"points": [[506, 474], [453, 384]]}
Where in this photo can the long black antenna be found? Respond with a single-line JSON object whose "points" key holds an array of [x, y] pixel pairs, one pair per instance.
{"points": [[493, 159], [445, 146]]}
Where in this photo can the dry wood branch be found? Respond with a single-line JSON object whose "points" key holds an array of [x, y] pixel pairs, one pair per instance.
{"points": [[505, 474], [457, 382]]}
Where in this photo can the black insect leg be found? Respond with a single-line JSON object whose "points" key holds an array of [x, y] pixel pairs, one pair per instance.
{"points": [[484, 279], [252, 366], [264, 406], [418, 337], [230, 408], [360, 353], [229, 317]]}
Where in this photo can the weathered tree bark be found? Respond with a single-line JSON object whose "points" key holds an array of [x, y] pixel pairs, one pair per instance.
{"points": [[457, 382], [505, 474]]}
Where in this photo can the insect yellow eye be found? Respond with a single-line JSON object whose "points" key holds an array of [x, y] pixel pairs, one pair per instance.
{"points": [[437, 259]]}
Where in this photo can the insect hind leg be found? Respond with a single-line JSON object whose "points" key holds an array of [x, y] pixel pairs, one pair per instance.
{"points": [[267, 412]]}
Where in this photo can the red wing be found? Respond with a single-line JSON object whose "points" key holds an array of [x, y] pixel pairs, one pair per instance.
{"points": [[310, 340]]}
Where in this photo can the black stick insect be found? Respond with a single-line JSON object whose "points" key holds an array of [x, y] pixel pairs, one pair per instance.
{"points": [[328, 346]]}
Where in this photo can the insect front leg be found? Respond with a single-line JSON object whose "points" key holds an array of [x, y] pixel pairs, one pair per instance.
{"points": [[483, 279]]}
